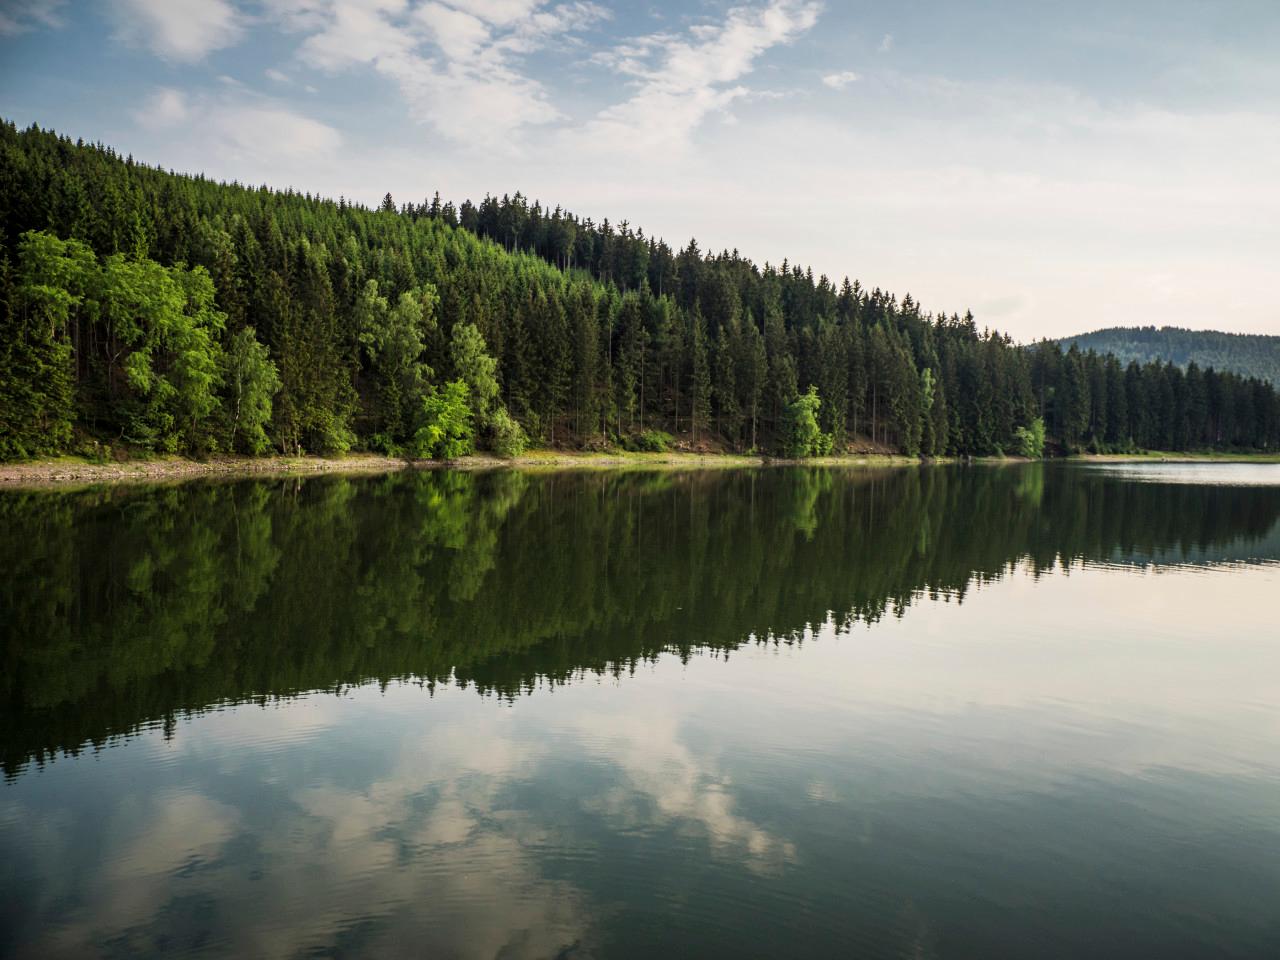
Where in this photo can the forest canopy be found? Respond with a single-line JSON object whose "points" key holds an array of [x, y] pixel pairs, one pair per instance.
{"points": [[175, 313]]}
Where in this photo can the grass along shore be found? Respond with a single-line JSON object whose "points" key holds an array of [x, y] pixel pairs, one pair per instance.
{"points": [[77, 470]]}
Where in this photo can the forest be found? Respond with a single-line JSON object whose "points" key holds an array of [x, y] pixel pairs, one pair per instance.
{"points": [[145, 309], [1248, 354]]}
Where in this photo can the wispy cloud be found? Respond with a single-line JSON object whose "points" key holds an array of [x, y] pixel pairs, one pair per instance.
{"points": [[680, 79], [269, 131], [19, 16], [233, 126], [457, 64], [838, 81], [886, 43]]}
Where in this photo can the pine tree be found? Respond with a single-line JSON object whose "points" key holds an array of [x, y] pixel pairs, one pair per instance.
{"points": [[700, 400]]}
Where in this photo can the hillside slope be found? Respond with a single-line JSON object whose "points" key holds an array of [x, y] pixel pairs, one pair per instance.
{"points": [[175, 314], [1251, 355]]}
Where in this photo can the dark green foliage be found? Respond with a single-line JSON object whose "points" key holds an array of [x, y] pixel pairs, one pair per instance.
{"points": [[649, 441], [36, 390], [123, 320]]}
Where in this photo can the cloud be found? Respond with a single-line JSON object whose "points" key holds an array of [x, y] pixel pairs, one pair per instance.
{"points": [[886, 43], [238, 129], [663, 781], [279, 76], [179, 30], [838, 81], [258, 131], [166, 107], [457, 64], [682, 78], [20, 16]]}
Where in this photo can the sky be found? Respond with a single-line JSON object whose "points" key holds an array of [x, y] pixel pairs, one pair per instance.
{"points": [[1053, 167]]}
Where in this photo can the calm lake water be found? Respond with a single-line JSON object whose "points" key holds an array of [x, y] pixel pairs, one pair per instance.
{"points": [[1026, 711]]}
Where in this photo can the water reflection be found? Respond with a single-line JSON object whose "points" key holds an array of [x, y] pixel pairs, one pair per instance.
{"points": [[775, 742], [124, 607]]}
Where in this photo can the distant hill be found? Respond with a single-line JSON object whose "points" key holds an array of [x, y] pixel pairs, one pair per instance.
{"points": [[1250, 354]]}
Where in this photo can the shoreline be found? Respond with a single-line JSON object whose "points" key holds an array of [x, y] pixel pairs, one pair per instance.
{"points": [[1156, 456], [73, 471], [68, 471]]}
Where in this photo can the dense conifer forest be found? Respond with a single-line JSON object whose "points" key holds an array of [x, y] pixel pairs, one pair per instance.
{"points": [[150, 309], [1248, 354]]}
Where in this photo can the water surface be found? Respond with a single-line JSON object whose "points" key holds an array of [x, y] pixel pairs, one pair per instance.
{"points": [[937, 712]]}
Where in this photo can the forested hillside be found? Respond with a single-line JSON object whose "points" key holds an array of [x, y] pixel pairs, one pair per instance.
{"points": [[1248, 354], [174, 313]]}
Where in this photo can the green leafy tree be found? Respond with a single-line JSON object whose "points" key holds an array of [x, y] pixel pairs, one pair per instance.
{"points": [[1030, 440], [473, 365], [802, 436], [446, 430], [251, 381], [506, 436], [394, 343]]}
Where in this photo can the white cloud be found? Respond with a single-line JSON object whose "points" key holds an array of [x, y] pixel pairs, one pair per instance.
{"points": [[279, 76], [233, 129], [886, 43], [181, 30], [457, 64], [500, 13], [681, 79], [838, 81], [20, 16], [164, 108], [264, 131], [458, 34]]}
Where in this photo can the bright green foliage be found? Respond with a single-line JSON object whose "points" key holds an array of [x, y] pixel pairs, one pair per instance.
{"points": [[446, 428], [804, 438], [473, 365], [506, 436], [251, 381], [142, 336], [163, 355], [928, 395], [1030, 440], [393, 340]]}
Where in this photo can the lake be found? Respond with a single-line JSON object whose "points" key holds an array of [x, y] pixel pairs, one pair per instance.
{"points": [[985, 711]]}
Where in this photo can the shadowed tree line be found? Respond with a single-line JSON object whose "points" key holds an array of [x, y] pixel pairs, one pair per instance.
{"points": [[171, 312], [1249, 354], [126, 607]]}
